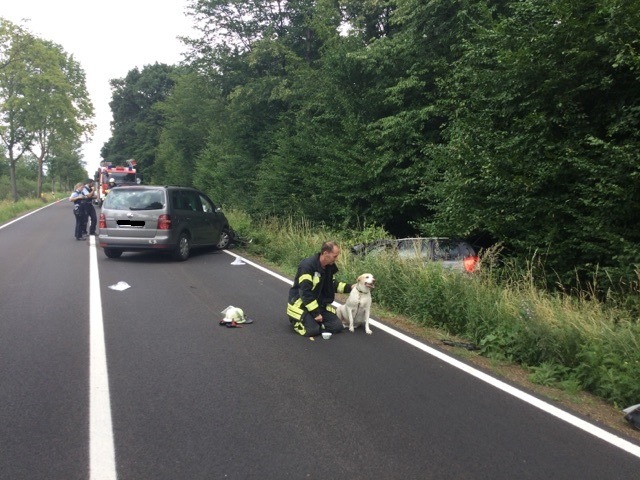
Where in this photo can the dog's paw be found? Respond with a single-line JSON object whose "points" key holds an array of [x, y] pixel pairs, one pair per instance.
{"points": [[351, 329], [369, 332]]}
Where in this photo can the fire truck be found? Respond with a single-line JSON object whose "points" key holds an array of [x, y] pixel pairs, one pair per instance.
{"points": [[122, 176]]}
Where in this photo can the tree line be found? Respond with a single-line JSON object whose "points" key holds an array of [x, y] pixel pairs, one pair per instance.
{"points": [[45, 114], [503, 121]]}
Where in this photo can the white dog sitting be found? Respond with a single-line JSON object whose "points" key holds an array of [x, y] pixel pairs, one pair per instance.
{"points": [[356, 309]]}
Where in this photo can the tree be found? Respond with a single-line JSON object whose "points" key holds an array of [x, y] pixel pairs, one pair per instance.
{"points": [[277, 145], [44, 98], [317, 159], [64, 164], [137, 116], [189, 116], [61, 107], [512, 120], [15, 44], [263, 45], [543, 140]]}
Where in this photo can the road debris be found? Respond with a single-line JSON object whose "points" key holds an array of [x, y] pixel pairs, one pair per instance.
{"points": [[120, 286]]}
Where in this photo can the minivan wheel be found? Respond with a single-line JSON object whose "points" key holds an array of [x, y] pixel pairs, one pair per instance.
{"points": [[112, 252], [181, 253], [225, 239]]}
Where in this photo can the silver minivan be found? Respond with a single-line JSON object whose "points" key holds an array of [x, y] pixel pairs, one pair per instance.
{"points": [[161, 218]]}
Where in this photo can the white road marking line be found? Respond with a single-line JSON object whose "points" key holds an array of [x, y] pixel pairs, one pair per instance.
{"points": [[102, 463], [27, 214], [530, 399], [259, 267]]}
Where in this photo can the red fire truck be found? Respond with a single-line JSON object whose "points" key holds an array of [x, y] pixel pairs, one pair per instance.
{"points": [[122, 176]]}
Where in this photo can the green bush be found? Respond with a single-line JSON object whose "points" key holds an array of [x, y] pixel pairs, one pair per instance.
{"points": [[609, 364], [26, 188]]}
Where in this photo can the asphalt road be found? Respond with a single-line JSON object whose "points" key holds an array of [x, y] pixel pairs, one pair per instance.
{"points": [[189, 399]]}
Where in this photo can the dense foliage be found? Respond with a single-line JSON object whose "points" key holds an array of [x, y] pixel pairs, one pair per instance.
{"points": [[501, 121], [136, 106]]}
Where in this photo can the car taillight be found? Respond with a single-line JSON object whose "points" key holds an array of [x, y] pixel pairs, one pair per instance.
{"points": [[164, 222], [103, 222], [470, 263]]}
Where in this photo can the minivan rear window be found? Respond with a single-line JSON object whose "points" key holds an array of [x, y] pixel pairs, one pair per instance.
{"points": [[134, 199]]}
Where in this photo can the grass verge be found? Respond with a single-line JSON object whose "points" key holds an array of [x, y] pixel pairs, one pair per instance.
{"points": [[10, 210]]}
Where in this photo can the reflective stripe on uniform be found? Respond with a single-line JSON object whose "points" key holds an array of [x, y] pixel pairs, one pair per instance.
{"points": [[295, 310], [331, 308], [299, 327], [306, 277], [342, 287]]}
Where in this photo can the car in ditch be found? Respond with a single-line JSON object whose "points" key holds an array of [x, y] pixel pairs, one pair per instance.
{"points": [[168, 219], [451, 253]]}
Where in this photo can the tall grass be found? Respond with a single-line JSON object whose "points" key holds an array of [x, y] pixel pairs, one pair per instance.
{"points": [[10, 210], [571, 341]]}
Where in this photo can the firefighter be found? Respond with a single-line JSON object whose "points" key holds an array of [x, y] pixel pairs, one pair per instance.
{"points": [[112, 183], [314, 288]]}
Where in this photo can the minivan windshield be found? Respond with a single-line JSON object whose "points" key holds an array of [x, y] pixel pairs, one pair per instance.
{"points": [[135, 199], [123, 178]]}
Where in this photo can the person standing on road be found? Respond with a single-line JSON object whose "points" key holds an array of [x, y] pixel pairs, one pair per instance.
{"points": [[89, 192], [78, 198], [309, 309]]}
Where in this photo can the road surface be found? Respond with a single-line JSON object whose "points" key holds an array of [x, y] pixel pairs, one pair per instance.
{"points": [[143, 383]]}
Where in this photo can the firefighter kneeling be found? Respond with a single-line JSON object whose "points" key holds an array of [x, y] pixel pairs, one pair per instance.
{"points": [[314, 288]]}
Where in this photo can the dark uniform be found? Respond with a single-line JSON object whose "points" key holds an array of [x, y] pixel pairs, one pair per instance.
{"points": [[78, 211], [89, 210], [313, 292]]}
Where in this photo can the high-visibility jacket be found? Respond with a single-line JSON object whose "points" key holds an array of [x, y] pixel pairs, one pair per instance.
{"points": [[314, 288]]}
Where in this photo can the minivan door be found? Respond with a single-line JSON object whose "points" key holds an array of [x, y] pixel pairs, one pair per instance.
{"points": [[213, 218], [193, 215]]}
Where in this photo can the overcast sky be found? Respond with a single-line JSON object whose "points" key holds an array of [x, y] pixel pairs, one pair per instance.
{"points": [[107, 38]]}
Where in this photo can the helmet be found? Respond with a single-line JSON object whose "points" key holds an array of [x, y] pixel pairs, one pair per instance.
{"points": [[112, 180]]}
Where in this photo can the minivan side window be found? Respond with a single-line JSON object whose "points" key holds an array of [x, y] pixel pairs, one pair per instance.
{"points": [[186, 200], [207, 206], [192, 200], [176, 200]]}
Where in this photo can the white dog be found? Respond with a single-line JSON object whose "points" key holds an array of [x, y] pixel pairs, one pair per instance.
{"points": [[356, 309]]}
